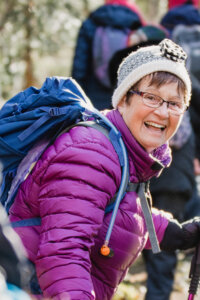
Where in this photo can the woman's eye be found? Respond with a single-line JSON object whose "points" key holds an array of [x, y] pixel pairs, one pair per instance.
{"points": [[175, 104], [151, 97]]}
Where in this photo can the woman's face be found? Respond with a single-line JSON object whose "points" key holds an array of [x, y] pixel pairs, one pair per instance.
{"points": [[151, 127]]}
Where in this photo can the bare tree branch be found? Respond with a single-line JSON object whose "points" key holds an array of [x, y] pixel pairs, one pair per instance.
{"points": [[9, 6]]}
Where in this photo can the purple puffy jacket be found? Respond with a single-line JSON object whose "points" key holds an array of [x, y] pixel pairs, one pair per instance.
{"points": [[69, 189]]}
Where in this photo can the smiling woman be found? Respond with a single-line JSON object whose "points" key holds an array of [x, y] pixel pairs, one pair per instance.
{"points": [[77, 177], [147, 77]]}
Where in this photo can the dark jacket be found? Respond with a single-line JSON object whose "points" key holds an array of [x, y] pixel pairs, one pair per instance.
{"points": [[195, 113], [107, 15], [179, 177]]}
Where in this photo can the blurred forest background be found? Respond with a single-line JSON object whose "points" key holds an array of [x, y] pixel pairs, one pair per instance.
{"points": [[37, 38]]}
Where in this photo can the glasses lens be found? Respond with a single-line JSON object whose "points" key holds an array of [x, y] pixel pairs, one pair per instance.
{"points": [[176, 108], [152, 100]]}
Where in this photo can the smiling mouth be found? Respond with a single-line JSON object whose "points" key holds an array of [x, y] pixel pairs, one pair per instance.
{"points": [[155, 125]]}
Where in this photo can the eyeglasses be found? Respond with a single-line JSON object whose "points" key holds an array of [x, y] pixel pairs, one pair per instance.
{"points": [[154, 101]]}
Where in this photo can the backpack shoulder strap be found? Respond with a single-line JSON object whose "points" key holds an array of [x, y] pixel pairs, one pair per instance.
{"points": [[105, 131], [143, 193], [142, 189]]}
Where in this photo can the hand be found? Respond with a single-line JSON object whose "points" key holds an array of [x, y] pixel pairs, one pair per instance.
{"points": [[191, 230], [181, 236]]}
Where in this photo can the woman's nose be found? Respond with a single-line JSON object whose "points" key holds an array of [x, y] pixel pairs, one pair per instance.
{"points": [[163, 110]]}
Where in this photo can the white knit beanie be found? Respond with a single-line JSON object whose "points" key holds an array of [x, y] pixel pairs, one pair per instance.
{"points": [[167, 57]]}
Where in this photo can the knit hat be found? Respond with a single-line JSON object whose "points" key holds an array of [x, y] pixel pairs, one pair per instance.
{"points": [[174, 3], [166, 56]]}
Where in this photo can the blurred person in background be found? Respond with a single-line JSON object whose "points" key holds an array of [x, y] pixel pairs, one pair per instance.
{"points": [[103, 32], [181, 12]]}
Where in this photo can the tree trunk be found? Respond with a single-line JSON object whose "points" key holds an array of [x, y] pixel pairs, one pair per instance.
{"points": [[153, 10], [28, 74]]}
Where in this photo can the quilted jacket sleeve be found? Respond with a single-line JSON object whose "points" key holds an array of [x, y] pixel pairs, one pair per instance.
{"points": [[78, 182]]}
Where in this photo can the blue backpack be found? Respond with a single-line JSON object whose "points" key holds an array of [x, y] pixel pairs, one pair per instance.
{"points": [[30, 122]]}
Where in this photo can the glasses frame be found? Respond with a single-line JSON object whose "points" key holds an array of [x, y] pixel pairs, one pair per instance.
{"points": [[174, 112]]}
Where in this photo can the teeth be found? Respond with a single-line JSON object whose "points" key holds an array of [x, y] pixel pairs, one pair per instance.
{"points": [[155, 125]]}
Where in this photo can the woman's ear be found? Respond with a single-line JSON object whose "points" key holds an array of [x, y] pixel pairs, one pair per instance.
{"points": [[121, 105]]}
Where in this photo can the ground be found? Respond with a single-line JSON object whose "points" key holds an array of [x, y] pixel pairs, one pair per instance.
{"points": [[134, 285]]}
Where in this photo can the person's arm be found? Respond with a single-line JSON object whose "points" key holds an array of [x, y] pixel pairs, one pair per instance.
{"points": [[78, 183]]}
